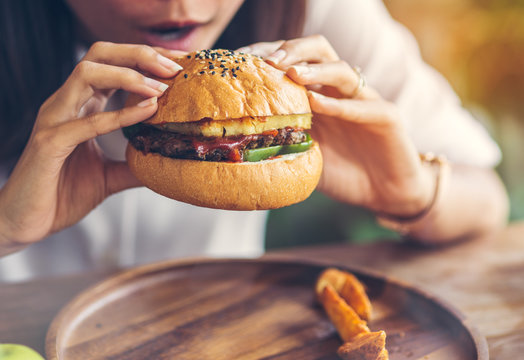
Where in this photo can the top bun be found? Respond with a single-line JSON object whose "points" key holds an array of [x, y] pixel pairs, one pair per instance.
{"points": [[222, 84]]}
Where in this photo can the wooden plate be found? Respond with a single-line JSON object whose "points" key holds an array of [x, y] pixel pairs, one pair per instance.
{"points": [[245, 309]]}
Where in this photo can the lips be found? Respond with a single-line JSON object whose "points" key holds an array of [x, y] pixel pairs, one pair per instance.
{"points": [[171, 34], [174, 36]]}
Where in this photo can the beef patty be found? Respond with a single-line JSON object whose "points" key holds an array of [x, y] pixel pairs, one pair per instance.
{"points": [[227, 148]]}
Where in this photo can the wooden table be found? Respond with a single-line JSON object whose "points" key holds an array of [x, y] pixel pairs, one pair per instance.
{"points": [[483, 278]]}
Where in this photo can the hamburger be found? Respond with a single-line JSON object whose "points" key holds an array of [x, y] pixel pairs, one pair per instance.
{"points": [[230, 133]]}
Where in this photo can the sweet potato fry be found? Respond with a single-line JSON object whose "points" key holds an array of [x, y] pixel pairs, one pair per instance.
{"points": [[346, 303], [365, 346], [330, 276], [345, 319], [384, 355], [355, 295], [348, 287]]}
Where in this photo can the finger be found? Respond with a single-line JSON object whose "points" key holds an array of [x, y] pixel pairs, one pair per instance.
{"points": [[168, 53], [262, 49], [119, 177], [309, 49], [140, 57], [337, 74], [89, 77], [77, 131], [356, 111]]}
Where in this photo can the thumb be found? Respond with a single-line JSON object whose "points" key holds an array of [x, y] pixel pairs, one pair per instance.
{"points": [[119, 177]]}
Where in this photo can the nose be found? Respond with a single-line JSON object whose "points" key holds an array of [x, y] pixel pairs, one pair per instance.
{"points": [[179, 7]]}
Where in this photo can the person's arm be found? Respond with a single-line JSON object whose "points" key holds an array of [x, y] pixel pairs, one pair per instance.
{"points": [[472, 198], [370, 159], [474, 203], [471, 201]]}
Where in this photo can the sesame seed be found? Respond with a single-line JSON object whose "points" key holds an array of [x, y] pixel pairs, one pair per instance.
{"points": [[211, 66], [189, 56], [202, 72], [235, 75], [185, 76], [212, 73], [223, 74], [238, 67]]}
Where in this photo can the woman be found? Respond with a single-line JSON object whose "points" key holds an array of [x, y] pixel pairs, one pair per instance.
{"points": [[370, 135]]}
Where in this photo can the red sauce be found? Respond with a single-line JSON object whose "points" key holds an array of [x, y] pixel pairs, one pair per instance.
{"points": [[231, 144], [271, 132]]}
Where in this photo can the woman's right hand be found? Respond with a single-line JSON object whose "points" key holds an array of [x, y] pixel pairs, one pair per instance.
{"points": [[62, 173]]}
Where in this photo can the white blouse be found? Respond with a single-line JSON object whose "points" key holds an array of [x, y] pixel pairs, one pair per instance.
{"points": [[138, 226]]}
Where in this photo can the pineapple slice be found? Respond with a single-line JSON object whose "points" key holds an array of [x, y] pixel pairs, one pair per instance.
{"points": [[242, 126]]}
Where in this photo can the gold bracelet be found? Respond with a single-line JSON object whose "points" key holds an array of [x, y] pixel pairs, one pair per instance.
{"points": [[402, 224]]}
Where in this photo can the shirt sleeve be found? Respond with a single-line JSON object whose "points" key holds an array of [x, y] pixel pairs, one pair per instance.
{"points": [[363, 33]]}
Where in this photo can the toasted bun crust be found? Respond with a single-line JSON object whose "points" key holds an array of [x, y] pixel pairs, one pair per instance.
{"points": [[255, 89], [260, 185]]}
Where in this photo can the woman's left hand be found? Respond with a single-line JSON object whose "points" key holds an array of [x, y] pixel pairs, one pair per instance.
{"points": [[369, 159]]}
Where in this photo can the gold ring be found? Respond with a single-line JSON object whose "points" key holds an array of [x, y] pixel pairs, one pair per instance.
{"points": [[361, 81]]}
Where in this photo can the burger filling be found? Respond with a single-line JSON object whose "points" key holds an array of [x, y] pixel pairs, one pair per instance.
{"points": [[247, 139]]}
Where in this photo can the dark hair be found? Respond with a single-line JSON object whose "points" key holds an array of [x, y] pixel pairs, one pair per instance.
{"points": [[36, 57], [38, 53]]}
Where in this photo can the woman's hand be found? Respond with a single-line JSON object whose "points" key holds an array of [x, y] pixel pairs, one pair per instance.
{"points": [[62, 173], [369, 160]]}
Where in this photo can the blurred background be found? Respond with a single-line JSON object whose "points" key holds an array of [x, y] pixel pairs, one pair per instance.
{"points": [[478, 45]]}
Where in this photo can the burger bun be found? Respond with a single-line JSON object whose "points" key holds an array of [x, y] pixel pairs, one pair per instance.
{"points": [[266, 184]]}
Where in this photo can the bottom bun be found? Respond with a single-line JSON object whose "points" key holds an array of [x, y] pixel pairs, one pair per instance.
{"points": [[266, 184]]}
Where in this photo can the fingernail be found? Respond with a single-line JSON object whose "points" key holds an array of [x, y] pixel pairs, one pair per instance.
{"points": [[245, 49], [176, 53], [168, 63], [157, 85], [277, 56], [147, 102], [317, 96], [301, 70]]}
